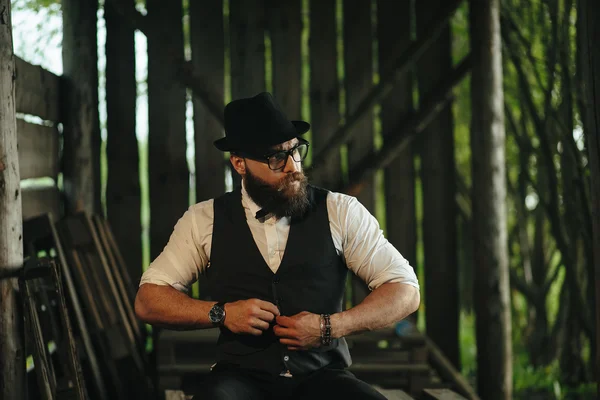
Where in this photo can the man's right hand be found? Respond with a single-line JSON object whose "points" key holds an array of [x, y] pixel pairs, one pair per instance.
{"points": [[251, 316]]}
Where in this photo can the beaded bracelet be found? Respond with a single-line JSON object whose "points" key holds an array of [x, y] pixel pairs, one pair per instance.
{"points": [[325, 329]]}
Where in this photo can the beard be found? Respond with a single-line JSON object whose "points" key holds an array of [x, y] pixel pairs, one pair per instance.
{"points": [[284, 199]]}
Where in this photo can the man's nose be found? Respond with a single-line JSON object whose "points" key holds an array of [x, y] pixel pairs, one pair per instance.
{"points": [[291, 165]]}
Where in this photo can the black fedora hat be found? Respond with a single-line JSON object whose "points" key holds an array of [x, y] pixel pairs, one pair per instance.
{"points": [[257, 123]]}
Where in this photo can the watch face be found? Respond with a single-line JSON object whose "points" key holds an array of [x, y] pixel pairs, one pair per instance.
{"points": [[216, 314]]}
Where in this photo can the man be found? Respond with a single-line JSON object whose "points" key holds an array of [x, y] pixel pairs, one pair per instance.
{"points": [[276, 253]]}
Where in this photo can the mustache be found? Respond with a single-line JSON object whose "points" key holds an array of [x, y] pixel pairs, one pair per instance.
{"points": [[290, 178]]}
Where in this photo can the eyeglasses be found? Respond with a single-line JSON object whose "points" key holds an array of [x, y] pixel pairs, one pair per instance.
{"points": [[278, 159]]}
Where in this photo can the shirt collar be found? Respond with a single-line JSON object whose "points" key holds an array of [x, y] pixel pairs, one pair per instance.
{"points": [[247, 201]]}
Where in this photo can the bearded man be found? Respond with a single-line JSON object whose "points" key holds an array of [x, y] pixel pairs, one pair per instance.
{"points": [[276, 253]]}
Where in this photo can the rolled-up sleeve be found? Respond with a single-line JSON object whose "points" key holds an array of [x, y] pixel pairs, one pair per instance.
{"points": [[186, 255], [365, 249]]}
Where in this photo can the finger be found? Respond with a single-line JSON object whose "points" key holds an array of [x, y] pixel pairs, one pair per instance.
{"points": [[295, 348], [260, 324], [254, 331], [265, 315], [290, 342], [284, 321], [283, 332], [267, 306]]}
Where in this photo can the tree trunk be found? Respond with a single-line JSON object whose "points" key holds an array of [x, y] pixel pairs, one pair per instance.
{"points": [[591, 79], [247, 47], [324, 87], [358, 81], [123, 197], [206, 21], [394, 29], [81, 160], [285, 27], [12, 371], [168, 170], [492, 296], [439, 204]]}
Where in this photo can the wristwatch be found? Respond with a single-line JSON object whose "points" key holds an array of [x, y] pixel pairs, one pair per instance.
{"points": [[216, 315]]}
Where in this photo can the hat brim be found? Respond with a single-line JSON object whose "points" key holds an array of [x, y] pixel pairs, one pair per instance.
{"points": [[302, 127]]}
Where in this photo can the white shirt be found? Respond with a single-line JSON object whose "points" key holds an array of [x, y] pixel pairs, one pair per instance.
{"points": [[355, 232]]}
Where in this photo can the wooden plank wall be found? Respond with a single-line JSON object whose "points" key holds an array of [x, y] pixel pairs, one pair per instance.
{"points": [[38, 94]]}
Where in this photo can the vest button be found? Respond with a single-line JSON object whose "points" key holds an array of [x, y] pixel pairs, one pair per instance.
{"points": [[276, 280], [286, 358]]}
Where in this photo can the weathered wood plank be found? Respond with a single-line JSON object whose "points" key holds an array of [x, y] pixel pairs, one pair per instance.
{"points": [[247, 46], [38, 201], [394, 30], [123, 193], [81, 155], [324, 88], [438, 180], [206, 20], [12, 373], [358, 65], [285, 27], [168, 170], [37, 91], [38, 150]]}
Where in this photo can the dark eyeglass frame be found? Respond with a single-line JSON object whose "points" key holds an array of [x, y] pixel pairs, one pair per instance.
{"points": [[267, 158]]}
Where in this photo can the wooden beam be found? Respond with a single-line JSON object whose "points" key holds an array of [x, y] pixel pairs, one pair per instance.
{"points": [[37, 91], [394, 24], [437, 173], [247, 46], [394, 71], [38, 150], [168, 169], [358, 81], [407, 130], [285, 29], [12, 372], [491, 283], [123, 193], [206, 20], [324, 87], [81, 155], [38, 201], [447, 371]]}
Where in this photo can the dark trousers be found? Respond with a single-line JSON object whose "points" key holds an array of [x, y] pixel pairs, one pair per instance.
{"points": [[232, 383]]}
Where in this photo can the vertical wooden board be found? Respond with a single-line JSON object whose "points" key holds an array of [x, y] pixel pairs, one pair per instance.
{"points": [[285, 27], [393, 30], [168, 170], [358, 80], [38, 150], [439, 210], [12, 373], [37, 91], [81, 155], [206, 21], [247, 48], [324, 87], [123, 194], [38, 201]]}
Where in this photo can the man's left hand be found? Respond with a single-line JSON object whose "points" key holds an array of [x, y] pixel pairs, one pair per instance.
{"points": [[299, 332]]}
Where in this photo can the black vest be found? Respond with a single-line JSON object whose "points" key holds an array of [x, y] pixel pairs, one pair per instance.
{"points": [[311, 278]]}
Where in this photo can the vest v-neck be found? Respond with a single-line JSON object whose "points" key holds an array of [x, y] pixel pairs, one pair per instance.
{"points": [[241, 216]]}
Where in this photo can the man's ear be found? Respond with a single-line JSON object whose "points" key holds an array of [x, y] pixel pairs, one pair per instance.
{"points": [[238, 164]]}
